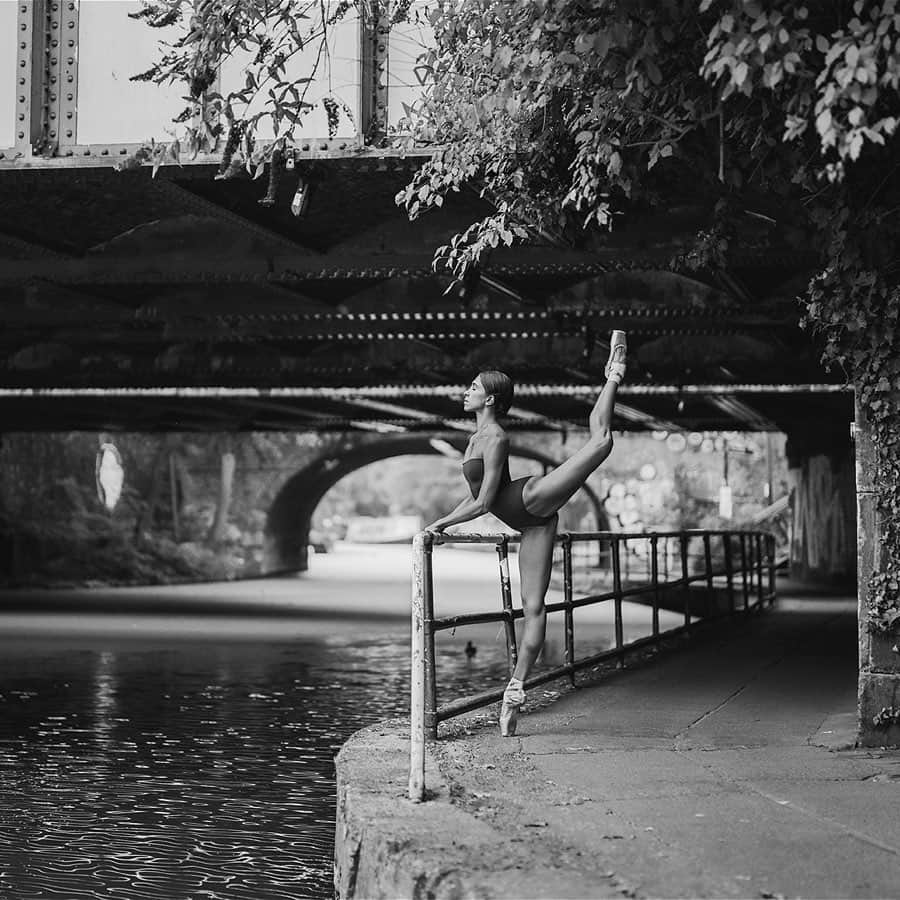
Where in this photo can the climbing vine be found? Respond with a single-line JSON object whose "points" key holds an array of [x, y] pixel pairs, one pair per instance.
{"points": [[886, 717]]}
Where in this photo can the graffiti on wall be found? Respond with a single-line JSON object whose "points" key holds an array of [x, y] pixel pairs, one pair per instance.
{"points": [[823, 495]]}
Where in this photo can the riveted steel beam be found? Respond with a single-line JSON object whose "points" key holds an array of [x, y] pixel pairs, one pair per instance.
{"points": [[514, 262], [47, 96], [97, 156], [25, 80], [64, 74], [406, 392], [54, 75], [375, 29]]}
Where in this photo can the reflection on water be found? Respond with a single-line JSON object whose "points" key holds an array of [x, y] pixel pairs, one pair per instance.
{"points": [[186, 769]]}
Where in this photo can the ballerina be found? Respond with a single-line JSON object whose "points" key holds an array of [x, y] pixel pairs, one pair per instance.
{"points": [[530, 504]]}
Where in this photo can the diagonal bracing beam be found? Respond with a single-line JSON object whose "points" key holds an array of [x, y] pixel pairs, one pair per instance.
{"points": [[652, 423], [743, 412], [410, 413], [207, 207]]}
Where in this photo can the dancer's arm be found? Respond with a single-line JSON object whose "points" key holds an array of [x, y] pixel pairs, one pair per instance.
{"points": [[496, 449]]}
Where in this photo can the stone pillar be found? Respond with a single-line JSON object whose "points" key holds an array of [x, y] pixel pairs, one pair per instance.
{"points": [[879, 660], [823, 506], [285, 551]]}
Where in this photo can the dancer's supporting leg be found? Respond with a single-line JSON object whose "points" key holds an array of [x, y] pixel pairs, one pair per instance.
{"points": [[535, 564]]}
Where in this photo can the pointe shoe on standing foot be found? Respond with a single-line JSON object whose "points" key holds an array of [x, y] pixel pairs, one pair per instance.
{"points": [[615, 366], [513, 699]]}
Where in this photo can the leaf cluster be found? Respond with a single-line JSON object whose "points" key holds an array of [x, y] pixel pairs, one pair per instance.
{"points": [[262, 40]]}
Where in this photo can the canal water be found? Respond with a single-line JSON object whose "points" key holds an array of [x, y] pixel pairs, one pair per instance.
{"points": [[155, 752], [187, 770]]}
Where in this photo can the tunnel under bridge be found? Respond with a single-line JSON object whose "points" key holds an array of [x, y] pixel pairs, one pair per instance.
{"points": [[287, 533]]}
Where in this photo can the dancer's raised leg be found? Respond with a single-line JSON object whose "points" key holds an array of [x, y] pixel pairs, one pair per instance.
{"points": [[600, 418], [546, 494]]}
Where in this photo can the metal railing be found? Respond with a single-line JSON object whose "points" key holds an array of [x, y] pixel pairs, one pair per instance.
{"points": [[705, 574]]}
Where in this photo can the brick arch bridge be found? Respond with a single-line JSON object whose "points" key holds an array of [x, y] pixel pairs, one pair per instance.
{"points": [[290, 516]]}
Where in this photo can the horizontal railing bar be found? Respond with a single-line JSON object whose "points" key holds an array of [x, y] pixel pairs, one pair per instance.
{"points": [[580, 537], [471, 537], [559, 606], [484, 698], [467, 704], [446, 622], [593, 598]]}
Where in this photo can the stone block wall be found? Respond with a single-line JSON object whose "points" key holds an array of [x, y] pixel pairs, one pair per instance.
{"points": [[879, 654]]}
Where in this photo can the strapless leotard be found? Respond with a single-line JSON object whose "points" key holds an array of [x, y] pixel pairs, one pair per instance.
{"points": [[508, 505]]}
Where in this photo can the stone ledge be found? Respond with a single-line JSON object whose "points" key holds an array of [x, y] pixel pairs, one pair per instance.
{"points": [[386, 846]]}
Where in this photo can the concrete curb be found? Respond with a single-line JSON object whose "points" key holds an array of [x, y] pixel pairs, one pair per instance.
{"points": [[386, 845]]}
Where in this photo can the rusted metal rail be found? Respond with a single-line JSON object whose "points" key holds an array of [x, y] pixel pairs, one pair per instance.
{"points": [[734, 572]]}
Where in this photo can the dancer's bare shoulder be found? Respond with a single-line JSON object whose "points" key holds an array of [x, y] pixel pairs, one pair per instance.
{"points": [[493, 438]]}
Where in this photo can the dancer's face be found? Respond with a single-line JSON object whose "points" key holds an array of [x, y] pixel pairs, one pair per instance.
{"points": [[475, 396]]}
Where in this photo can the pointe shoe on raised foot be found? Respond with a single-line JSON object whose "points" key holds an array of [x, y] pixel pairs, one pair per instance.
{"points": [[615, 366], [513, 699]]}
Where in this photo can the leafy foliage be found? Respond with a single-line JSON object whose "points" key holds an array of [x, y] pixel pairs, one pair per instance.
{"points": [[261, 36], [886, 717]]}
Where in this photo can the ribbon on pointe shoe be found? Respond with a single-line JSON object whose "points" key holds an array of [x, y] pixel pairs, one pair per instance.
{"points": [[513, 698], [615, 365]]}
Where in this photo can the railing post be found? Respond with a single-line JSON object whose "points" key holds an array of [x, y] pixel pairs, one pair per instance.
{"points": [[617, 595], [729, 570], [417, 672], [746, 589], [760, 590], [567, 596], [430, 659], [707, 561], [770, 554], [683, 539], [509, 623], [654, 580]]}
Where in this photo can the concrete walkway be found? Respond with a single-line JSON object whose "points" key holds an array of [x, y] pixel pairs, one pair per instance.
{"points": [[722, 768]]}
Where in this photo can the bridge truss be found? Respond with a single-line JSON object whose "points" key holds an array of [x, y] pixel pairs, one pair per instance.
{"points": [[179, 302]]}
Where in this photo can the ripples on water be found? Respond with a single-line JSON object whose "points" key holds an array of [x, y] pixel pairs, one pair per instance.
{"points": [[190, 770]]}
